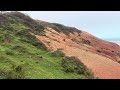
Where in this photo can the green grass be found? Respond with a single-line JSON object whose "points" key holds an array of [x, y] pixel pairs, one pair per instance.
{"points": [[26, 52], [39, 64], [36, 68]]}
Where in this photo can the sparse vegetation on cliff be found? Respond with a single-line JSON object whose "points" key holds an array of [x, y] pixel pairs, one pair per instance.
{"points": [[22, 56]]}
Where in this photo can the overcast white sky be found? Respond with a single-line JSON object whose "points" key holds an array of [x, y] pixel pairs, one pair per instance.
{"points": [[103, 24]]}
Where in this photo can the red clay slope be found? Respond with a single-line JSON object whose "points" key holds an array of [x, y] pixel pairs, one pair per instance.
{"points": [[98, 55], [101, 46]]}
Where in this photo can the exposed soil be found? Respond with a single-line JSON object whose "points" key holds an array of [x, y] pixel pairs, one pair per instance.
{"points": [[98, 55]]}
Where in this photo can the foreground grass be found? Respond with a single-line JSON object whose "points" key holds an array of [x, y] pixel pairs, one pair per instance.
{"points": [[38, 64], [20, 51]]}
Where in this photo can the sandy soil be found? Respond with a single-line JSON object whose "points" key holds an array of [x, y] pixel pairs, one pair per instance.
{"points": [[102, 66]]}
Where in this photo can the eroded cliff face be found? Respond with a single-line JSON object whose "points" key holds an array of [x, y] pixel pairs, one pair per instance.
{"points": [[98, 55], [81, 40]]}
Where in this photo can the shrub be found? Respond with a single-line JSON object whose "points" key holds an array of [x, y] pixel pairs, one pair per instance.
{"points": [[3, 74], [7, 38], [9, 53], [98, 51], [20, 49], [37, 62], [74, 40], [36, 57], [21, 33], [4, 59], [33, 40], [85, 41], [17, 72], [58, 53], [39, 30], [64, 29], [73, 64]]}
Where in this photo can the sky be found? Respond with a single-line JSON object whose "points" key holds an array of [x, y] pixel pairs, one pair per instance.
{"points": [[102, 24]]}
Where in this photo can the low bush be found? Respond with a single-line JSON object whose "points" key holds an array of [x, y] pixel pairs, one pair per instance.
{"points": [[20, 49], [36, 57], [74, 40], [33, 40], [98, 51], [7, 39], [17, 72], [9, 53], [73, 64], [58, 53], [85, 41], [3, 74], [64, 29], [4, 59]]}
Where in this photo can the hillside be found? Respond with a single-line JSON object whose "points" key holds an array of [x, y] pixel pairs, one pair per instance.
{"points": [[37, 49], [23, 56]]}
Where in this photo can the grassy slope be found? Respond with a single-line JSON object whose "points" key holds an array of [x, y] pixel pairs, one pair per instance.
{"points": [[47, 67], [37, 63]]}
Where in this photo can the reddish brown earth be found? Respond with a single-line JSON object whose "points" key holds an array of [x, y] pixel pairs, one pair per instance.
{"points": [[98, 55]]}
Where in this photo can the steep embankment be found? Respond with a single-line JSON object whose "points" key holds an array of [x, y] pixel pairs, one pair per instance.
{"points": [[22, 56], [102, 64], [24, 41]]}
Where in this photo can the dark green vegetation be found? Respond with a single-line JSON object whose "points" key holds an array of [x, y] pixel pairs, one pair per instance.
{"points": [[60, 27], [16, 72], [22, 56], [82, 41], [73, 64], [58, 53], [85, 41]]}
